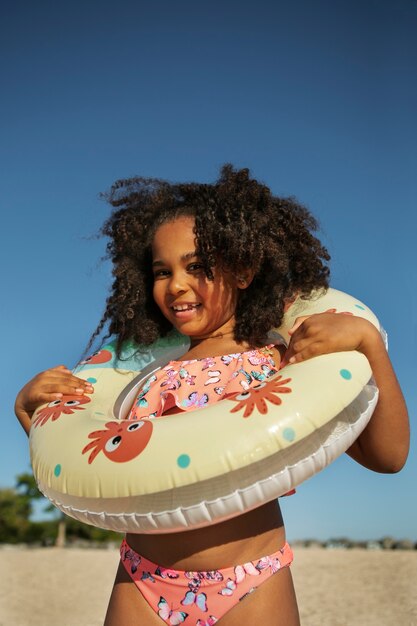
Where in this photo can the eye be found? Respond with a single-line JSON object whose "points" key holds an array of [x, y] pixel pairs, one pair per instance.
{"points": [[243, 396], [160, 274], [71, 402], [259, 386], [113, 444], [54, 403], [134, 426], [195, 267]]}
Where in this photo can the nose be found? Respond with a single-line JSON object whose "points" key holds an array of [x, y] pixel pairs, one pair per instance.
{"points": [[177, 283]]}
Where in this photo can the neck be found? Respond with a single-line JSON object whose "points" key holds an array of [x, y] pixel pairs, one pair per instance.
{"points": [[219, 336], [215, 345]]}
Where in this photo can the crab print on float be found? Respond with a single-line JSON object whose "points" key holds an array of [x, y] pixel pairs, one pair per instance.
{"points": [[67, 405], [102, 356], [121, 442], [256, 397]]}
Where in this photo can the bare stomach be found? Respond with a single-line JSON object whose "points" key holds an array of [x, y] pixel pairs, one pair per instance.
{"points": [[244, 538]]}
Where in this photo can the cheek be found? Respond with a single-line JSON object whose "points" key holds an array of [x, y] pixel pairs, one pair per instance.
{"points": [[157, 294], [230, 295]]}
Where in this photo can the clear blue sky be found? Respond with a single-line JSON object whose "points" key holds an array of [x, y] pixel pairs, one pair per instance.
{"points": [[317, 98]]}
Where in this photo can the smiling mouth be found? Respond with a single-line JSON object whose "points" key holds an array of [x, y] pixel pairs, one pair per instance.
{"points": [[177, 308]]}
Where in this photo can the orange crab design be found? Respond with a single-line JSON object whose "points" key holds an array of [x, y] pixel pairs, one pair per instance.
{"points": [[256, 397], [102, 356], [121, 442], [67, 405]]}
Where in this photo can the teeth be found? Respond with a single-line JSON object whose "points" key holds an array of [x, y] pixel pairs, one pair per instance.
{"points": [[185, 307]]}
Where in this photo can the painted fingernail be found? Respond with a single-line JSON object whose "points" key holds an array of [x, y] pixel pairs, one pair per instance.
{"points": [[79, 391]]}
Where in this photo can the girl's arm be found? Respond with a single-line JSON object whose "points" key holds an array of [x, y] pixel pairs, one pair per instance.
{"points": [[46, 387], [383, 445]]}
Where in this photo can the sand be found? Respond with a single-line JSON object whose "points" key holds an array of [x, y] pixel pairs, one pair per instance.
{"points": [[356, 587], [51, 587]]}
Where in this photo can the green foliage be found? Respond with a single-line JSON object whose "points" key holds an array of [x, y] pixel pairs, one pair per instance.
{"points": [[26, 485], [14, 516], [16, 508]]}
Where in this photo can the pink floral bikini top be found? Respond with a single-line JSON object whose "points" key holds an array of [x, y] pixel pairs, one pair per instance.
{"points": [[196, 383]]}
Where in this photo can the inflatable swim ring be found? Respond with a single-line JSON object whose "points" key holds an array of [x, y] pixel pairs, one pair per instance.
{"points": [[192, 469]]}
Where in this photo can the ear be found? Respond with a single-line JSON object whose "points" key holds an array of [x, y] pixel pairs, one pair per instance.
{"points": [[288, 302], [244, 278]]}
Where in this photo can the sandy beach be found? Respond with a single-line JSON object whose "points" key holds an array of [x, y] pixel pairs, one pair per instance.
{"points": [[49, 586]]}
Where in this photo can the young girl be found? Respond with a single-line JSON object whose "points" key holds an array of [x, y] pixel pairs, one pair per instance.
{"points": [[220, 263]]}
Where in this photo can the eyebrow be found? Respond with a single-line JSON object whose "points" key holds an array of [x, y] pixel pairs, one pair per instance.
{"points": [[184, 257]]}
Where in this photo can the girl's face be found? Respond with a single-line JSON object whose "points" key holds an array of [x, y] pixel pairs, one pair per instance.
{"points": [[195, 306]]}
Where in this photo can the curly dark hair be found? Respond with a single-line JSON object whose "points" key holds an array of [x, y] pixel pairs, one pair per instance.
{"points": [[238, 224]]}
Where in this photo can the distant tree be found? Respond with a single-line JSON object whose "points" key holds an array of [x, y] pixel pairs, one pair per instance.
{"points": [[15, 511], [27, 487], [16, 508]]}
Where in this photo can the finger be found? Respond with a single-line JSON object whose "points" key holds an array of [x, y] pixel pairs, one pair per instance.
{"points": [[304, 350], [62, 368], [63, 389], [43, 398], [61, 372], [285, 359], [76, 383], [297, 343], [61, 378], [58, 390], [46, 398], [49, 397], [298, 322]]}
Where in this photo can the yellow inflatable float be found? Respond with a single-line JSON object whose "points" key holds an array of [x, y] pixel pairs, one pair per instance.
{"points": [[199, 467]]}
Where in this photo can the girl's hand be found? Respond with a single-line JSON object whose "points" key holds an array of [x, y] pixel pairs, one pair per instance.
{"points": [[383, 445], [331, 332], [46, 387]]}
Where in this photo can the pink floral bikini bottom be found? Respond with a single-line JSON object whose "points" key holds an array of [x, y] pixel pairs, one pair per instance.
{"points": [[199, 598]]}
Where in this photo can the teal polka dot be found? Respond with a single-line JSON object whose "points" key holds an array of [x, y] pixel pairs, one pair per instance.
{"points": [[183, 461], [57, 470], [288, 434], [359, 306], [346, 374], [92, 380]]}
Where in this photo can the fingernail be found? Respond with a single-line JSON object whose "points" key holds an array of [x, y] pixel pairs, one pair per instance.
{"points": [[292, 359], [79, 391], [58, 395]]}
